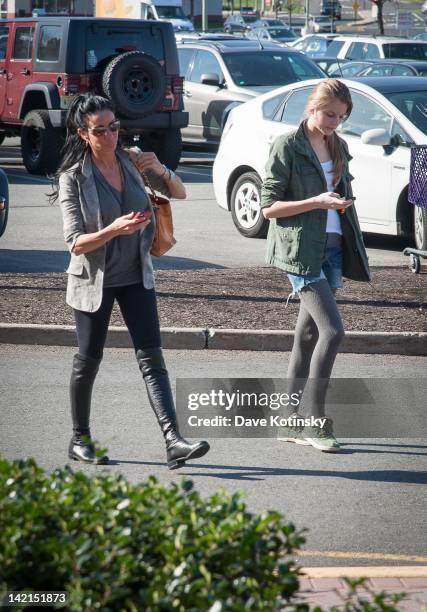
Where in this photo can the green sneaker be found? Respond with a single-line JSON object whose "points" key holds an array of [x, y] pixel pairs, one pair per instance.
{"points": [[322, 438], [292, 433]]}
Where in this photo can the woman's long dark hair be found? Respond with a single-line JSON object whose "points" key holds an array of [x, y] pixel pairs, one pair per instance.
{"points": [[75, 147]]}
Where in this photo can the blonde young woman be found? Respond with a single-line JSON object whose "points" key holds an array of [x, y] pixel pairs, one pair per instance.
{"points": [[314, 235]]}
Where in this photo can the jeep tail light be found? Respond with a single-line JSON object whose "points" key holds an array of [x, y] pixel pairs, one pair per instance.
{"points": [[75, 84], [173, 94], [177, 84]]}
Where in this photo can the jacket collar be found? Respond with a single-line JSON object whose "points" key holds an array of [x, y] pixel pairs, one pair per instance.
{"points": [[303, 146], [88, 185]]}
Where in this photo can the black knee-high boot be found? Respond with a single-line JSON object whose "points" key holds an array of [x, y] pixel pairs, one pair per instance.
{"points": [[155, 375], [83, 376]]}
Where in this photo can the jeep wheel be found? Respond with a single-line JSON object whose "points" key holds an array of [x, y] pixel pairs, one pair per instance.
{"points": [[40, 143], [166, 144], [135, 83], [245, 206]]}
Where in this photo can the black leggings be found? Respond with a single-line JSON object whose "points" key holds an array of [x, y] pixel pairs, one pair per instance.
{"points": [[139, 309]]}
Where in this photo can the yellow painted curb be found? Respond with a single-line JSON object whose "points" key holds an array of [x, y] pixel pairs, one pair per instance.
{"points": [[338, 554], [402, 571]]}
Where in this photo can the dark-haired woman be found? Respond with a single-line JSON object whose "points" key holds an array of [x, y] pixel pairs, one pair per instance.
{"points": [[314, 235], [105, 211]]}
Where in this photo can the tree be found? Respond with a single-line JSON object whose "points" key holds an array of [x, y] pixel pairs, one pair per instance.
{"points": [[380, 17], [288, 6], [291, 6]]}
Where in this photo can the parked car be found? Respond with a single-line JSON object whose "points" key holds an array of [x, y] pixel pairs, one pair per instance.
{"points": [[4, 201], [219, 74], [50, 60], [319, 25], [272, 34], [359, 48], [349, 69], [239, 23], [266, 22], [396, 68], [329, 64], [314, 45], [248, 10], [331, 8], [389, 115]]}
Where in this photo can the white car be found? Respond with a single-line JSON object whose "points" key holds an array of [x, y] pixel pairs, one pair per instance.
{"points": [[389, 115], [357, 48]]}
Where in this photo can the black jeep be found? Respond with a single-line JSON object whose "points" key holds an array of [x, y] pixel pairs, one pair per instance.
{"points": [[46, 61]]}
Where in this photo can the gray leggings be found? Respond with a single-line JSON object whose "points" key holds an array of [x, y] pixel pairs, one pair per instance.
{"points": [[318, 334]]}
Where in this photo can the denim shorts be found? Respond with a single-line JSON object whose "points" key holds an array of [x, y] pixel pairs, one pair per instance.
{"points": [[331, 271]]}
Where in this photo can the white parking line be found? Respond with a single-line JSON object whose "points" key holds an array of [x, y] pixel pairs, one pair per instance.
{"points": [[185, 171], [31, 178]]}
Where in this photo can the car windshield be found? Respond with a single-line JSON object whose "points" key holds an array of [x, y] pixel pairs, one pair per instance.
{"points": [[413, 104], [249, 18], [269, 68], [170, 12], [279, 33], [415, 51]]}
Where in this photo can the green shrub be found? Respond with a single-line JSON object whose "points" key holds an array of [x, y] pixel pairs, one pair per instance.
{"points": [[113, 545]]}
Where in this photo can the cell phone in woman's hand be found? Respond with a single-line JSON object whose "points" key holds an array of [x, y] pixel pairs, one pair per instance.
{"points": [[342, 210], [143, 216]]}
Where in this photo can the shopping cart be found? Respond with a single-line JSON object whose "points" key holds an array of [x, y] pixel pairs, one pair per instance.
{"points": [[418, 197]]}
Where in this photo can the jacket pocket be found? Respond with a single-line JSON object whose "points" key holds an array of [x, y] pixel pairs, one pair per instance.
{"points": [[75, 268], [289, 239]]}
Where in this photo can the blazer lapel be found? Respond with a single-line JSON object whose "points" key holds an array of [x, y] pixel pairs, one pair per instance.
{"points": [[89, 191]]}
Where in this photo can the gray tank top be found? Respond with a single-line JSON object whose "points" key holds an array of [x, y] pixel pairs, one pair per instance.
{"points": [[123, 258]]}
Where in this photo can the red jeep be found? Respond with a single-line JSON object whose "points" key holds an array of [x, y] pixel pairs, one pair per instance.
{"points": [[46, 61]]}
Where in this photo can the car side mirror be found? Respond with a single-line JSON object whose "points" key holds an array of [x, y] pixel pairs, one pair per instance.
{"points": [[378, 137], [210, 78]]}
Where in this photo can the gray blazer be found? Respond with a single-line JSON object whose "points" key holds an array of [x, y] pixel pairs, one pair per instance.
{"points": [[81, 214]]}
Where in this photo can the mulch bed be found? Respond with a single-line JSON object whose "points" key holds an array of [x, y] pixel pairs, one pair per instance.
{"points": [[252, 298]]}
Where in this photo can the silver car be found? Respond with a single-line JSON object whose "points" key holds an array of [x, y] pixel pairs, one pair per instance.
{"points": [[278, 34], [220, 74]]}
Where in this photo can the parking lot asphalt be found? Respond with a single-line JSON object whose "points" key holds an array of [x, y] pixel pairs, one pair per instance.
{"points": [[368, 501]]}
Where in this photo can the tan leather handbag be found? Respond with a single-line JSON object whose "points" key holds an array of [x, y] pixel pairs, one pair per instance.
{"points": [[163, 238]]}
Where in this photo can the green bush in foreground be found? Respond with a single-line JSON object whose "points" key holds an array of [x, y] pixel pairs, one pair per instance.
{"points": [[116, 546], [113, 545]]}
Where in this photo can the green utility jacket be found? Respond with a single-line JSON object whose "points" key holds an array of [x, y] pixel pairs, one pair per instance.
{"points": [[297, 244]]}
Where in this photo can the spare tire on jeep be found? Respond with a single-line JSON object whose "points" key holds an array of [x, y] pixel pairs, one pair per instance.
{"points": [[135, 83]]}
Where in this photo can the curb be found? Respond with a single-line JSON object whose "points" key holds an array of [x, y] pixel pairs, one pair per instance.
{"points": [[198, 338], [372, 571]]}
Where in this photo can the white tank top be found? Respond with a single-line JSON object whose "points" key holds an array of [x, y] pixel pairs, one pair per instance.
{"points": [[333, 224]]}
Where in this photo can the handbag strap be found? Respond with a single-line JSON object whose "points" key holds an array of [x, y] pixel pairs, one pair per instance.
{"points": [[150, 187]]}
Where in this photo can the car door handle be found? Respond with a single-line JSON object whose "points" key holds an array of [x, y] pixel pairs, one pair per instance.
{"points": [[399, 167], [25, 71], [271, 138], [187, 94], [3, 71]]}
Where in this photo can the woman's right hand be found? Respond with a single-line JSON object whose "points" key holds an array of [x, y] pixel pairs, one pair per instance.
{"points": [[331, 200], [127, 225]]}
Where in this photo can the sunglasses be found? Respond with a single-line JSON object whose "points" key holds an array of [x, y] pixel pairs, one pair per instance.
{"points": [[101, 131]]}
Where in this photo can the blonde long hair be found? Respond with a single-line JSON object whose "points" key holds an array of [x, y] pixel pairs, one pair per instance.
{"points": [[323, 93]]}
